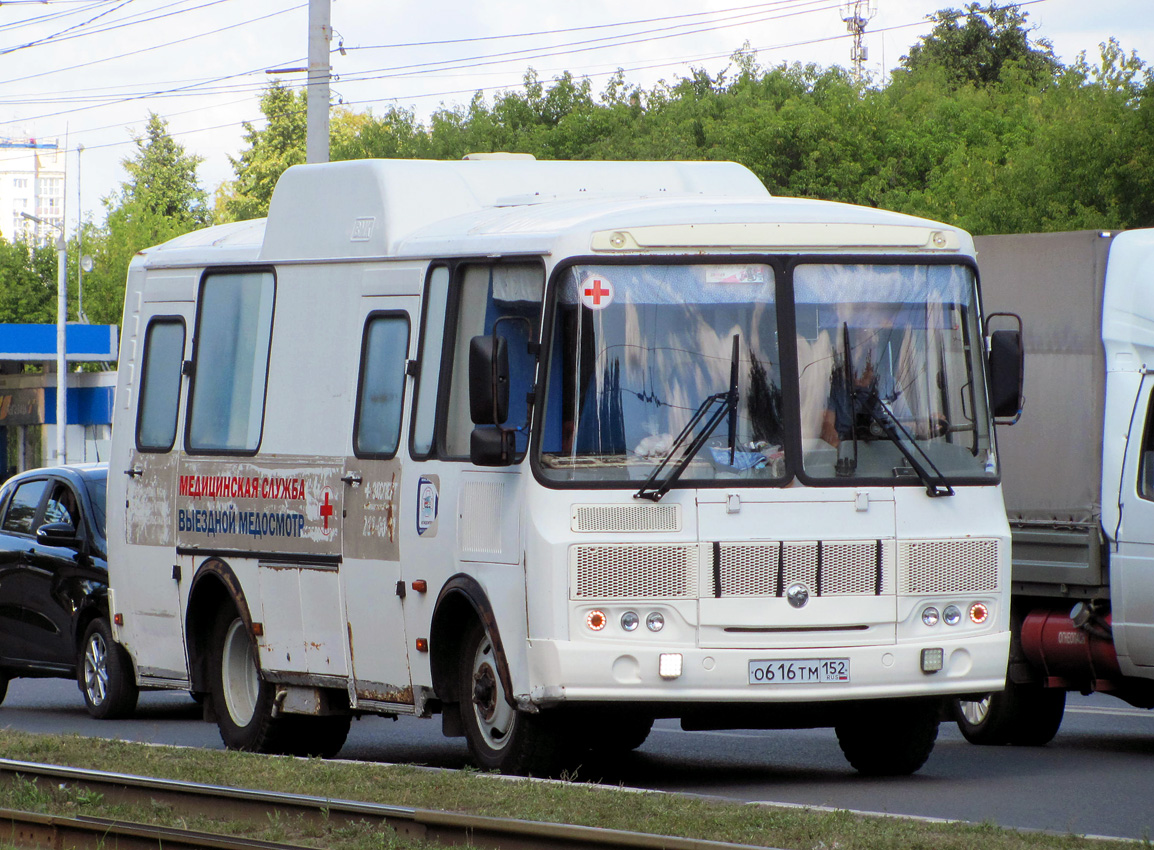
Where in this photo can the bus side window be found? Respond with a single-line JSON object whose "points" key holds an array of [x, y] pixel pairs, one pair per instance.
{"points": [[432, 345], [486, 294], [234, 329], [160, 385], [381, 389]]}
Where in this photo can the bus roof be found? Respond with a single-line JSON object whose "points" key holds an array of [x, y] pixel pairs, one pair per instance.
{"points": [[374, 209]]}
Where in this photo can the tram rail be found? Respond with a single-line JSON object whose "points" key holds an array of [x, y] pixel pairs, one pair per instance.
{"points": [[26, 829]]}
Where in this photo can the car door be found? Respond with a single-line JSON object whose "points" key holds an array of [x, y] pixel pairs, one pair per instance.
{"points": [[54, 575], [17, 638], [1132, 568]]}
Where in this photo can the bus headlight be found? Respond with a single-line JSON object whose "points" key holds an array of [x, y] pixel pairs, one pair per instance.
{"points": [[655, 622], [930, 616], [630, 621]]}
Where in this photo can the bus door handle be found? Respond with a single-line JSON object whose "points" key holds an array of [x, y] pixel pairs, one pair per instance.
{"points": [[135, 472], [353, 478]]}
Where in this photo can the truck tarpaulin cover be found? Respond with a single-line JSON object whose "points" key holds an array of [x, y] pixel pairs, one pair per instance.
{"points": [[1051, 460]]}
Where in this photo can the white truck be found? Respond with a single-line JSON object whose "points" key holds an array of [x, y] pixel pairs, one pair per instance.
{"points": [[1078, 474], [553, 449]]}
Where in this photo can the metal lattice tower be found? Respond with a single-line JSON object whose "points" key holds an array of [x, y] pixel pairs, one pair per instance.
{"points": [[856, 14]]}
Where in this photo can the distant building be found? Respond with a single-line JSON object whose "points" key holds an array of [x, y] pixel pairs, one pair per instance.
{"points": [[31, 181]]}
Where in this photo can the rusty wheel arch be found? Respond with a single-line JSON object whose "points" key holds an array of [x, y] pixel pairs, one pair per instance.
{"points": [[213, 586], [462, 597]]}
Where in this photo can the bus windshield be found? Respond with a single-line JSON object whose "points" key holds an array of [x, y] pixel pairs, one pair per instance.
{"points": [[638, 351], [662, 375]]}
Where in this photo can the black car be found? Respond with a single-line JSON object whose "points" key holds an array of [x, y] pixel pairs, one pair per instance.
{"points": [[54, 587]]}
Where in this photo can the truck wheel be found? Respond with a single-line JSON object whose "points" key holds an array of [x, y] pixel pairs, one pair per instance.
{"points": [[889, 737], [242, 700], [1025, 715], [499, 736], [1040, 711], [987, 721], [104, 674]]}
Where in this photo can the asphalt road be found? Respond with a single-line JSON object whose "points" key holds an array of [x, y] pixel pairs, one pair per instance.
{"points": [[1095, 778]]}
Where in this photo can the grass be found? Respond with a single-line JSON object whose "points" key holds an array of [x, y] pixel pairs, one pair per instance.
{"points": [[475, 793]]}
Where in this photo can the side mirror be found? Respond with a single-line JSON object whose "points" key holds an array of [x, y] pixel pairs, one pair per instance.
{"points": [[493, 446], [57, 534], [488, 380], [1007, 371]]}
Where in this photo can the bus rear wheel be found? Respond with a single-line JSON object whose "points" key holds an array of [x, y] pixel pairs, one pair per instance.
{"points": [[889, 737], [241, 699], [499, 736]]}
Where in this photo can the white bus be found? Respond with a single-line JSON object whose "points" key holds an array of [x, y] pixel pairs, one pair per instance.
{"points": [[554, 449]]}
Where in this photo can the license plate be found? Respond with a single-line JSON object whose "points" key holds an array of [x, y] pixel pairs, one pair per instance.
{"points": [[799, 671]]}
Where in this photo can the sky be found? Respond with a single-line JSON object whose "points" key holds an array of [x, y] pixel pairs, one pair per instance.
{"points": [[87, 73]]}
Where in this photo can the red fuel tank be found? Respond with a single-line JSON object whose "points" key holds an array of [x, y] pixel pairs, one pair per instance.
{"points": [[1062, 651]]}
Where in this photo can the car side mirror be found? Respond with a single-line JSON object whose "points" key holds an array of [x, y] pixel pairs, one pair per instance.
{"points": [[1007, 371], [58, 534]]}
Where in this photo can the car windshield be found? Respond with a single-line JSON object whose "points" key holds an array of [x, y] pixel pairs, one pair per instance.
{"points": [[888, 387], [638, 352], [96, 485]]}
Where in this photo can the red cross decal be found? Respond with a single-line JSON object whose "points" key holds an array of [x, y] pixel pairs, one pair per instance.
{"points": [[327, 511], [596, 292]]}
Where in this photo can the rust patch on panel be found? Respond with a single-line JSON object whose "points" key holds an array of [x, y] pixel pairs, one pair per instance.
{"points": [[387, 693]]}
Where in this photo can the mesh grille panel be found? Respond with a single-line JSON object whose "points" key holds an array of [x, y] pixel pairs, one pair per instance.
{"points": [[846, 568], [850, 568], [948, 566], [748, 570], [634, 572], [626, 518]]}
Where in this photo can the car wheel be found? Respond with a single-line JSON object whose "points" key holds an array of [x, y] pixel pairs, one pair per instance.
{"points": [[104, 673], [890, 737]]}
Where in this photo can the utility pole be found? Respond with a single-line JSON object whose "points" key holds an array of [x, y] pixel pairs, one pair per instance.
{"points": [[61, 337], [320, 34], [856, 14]]}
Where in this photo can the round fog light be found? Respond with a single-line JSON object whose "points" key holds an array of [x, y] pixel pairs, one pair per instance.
{"points": [[655, 622], [979, 613], [930, 616], [630, 621], [595, 620], [952, 615]]}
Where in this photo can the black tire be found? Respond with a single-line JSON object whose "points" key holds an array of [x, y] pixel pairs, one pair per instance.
{"points": [[890, 737], [315, 737], [242, 700], [3, 685], [499, 736], [104, 674], [1024, 715], [611, 736]]}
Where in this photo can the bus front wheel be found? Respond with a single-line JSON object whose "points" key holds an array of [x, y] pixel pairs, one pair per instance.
{"points": [[499, 736]]}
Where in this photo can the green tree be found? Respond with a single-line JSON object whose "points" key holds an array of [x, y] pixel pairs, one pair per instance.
{"points": [[270, 152], [160, 200], [27, 283], [976, 44]]}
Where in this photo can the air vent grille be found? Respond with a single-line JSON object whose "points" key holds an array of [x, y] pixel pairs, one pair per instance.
{"points": [[948, 566], [634, 571], [617, 518]]}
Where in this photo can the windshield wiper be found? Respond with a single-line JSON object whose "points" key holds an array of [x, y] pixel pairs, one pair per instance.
{"points": [[717, 407], [936, 483]]}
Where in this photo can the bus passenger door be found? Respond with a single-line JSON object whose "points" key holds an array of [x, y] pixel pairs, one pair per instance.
{"points": [[1132, 569], [151, 602], [374, 589]]}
